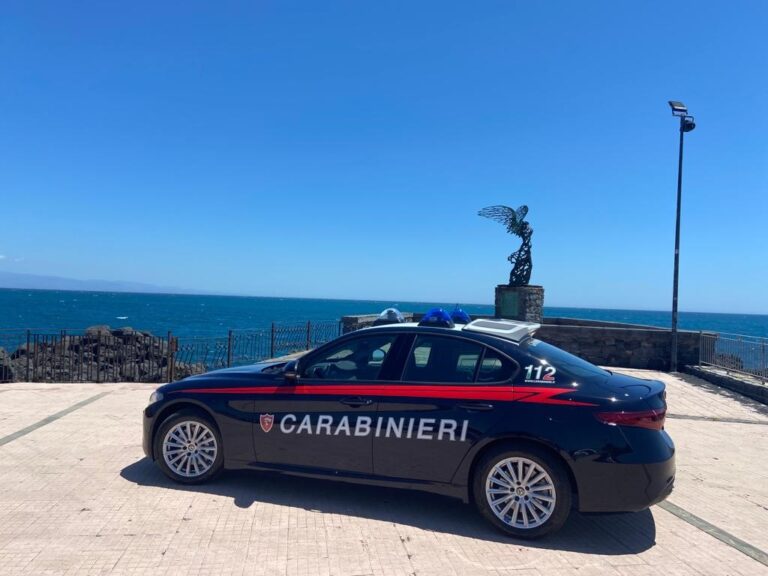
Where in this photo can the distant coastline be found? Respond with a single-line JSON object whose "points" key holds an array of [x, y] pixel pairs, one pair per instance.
{"points": [[18, 281]]}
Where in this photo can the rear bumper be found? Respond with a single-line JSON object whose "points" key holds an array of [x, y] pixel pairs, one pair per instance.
{"points": [[612, 487]]}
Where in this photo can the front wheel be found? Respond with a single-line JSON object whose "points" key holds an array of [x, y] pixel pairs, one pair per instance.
{"points": [[188, 448], [525, 493]]}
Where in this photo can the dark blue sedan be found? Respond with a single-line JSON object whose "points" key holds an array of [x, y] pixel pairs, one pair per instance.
{"points": [[481, 411]]}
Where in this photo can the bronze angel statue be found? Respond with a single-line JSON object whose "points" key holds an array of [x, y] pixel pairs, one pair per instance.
{"points": [[514, 220]]}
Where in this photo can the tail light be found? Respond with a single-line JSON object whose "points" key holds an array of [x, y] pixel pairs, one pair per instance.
{"points": [[651, 419]]}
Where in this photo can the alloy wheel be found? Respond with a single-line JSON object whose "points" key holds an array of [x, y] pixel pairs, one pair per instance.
{"points": [[190, 449], [520, 492]]}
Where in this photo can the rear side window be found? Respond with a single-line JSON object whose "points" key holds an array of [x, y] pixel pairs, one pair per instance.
{"points": [[442, 359], [495, 367], [565, 363]]}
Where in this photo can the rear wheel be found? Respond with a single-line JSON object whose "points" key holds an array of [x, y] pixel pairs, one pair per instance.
{"points": [[188, 448], [525, 493]]}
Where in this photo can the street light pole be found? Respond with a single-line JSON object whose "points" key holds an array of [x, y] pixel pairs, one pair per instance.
{"points": [[686, 125], [673, 359]]}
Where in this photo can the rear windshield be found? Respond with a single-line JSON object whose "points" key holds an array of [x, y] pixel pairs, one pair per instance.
{"points": [[564, 361]]}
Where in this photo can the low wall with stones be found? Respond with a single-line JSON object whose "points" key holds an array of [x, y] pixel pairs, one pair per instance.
{"points": [[647, 348], [745, 385], [603, 343]]}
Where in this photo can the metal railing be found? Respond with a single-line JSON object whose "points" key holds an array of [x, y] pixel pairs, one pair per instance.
{"points": [[195, 355], [746, 355], [125, 355]]}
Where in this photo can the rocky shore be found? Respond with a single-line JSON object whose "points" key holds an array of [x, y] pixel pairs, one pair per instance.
{"points": [[98, 354]]}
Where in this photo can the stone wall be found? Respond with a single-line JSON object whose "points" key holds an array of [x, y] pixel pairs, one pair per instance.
{"points": [[603, 343], [647, 348], [564, 321]]}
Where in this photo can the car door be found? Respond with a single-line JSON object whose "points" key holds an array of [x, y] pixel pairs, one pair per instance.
{"points": [[323, 421], [446, 401]]}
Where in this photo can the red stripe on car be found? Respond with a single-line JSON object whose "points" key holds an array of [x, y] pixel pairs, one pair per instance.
{"points": [[531, 394]]}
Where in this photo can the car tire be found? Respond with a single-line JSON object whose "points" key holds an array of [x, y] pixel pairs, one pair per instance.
{"points": [[188, 448], [529, 509]]}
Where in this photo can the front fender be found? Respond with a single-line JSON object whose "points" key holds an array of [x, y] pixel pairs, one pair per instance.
{"points": [[232, 418]]}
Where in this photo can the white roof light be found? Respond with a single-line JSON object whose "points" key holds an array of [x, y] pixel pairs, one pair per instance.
{"points": [[509, 329]]}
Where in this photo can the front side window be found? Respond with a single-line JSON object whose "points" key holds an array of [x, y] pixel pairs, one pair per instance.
{"points": [[442, 359], [356, 359]]}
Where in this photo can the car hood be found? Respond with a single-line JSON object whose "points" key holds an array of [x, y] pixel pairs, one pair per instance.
{"points": [[239, 375]]}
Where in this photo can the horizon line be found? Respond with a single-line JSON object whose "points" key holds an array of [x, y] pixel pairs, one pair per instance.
{"points": [[235, 295]]}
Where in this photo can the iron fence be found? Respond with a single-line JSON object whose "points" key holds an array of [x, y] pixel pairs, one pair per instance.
{"points": [[10, 342], [125, 355], [747, 355], [92, 355]]}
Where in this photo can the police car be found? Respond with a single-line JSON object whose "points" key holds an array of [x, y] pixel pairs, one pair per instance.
{"points": [[478, 410]]}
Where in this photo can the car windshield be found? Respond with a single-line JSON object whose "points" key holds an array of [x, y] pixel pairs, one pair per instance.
{"points": [[564, 361]]}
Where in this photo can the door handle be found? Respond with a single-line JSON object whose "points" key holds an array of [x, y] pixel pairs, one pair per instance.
{"points": [[476, 407], [356, 401]]}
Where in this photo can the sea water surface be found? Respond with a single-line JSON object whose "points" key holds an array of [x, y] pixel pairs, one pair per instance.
{"points": [[204, 315]]}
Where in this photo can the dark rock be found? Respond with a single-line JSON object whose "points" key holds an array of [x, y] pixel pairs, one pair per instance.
{"points": [[98, 330], [7, 372], [126, 333], [20, 351], [182, 370]]}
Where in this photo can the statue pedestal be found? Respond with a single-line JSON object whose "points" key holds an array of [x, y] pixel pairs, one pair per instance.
{"points": [[520, 302]]}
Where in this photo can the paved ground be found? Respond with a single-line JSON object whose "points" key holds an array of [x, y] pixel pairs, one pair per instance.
{"points": [[77, 497]]}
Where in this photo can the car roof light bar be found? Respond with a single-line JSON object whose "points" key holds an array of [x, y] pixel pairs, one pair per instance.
{"points": [[508, 329], [459, 316], [437, 317]]}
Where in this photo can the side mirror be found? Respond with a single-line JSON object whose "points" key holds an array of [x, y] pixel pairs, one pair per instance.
{"points": [[291, 373]]}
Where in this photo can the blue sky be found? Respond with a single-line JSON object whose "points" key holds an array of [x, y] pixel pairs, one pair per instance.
{"points": [[343, 149]]}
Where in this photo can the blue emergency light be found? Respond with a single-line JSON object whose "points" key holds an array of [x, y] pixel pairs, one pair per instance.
{"points": [[437, 317], [459, 316]]}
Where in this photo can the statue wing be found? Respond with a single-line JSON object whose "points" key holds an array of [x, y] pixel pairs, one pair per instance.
{"points": [[505, 215]]}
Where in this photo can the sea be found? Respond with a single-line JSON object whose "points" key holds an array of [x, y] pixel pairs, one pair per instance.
{"points": [[206, 315]]}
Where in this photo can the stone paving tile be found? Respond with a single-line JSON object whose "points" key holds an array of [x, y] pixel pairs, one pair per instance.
{"points": [[722, 478], [77, 497], [691, 396], [21, 407], [722, 475]]}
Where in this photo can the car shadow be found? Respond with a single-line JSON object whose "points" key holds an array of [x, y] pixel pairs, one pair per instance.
{"points": [[615, 534]]}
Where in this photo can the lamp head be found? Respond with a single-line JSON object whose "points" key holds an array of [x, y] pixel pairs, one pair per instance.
{"points": [[678, 108]]}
